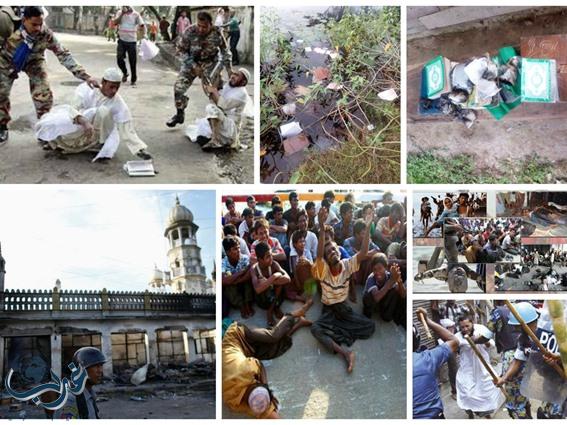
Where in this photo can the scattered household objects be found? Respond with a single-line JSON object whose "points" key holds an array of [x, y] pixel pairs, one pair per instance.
{"points": [[290, 129], [140, 168], [295, 144], [320, 74], [289, 108], [538, 82], [436, 77], [389, 95], [139, 376]]}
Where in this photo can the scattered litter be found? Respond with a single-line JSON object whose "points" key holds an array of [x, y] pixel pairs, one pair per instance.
{"points": [[320, 51], [308, 49], [389, 95], [139, 168], [137, 398], [295, 144], [299, 41], [302, 90], [290, 129], [335, 86], [289, 108], [165, 395], [320, 74], [370, 127], [139, 376], [334, 55]]}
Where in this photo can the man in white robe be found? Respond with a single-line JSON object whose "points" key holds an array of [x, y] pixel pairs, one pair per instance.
{"points": [[476, 392], [98, 119], [224, 117]]}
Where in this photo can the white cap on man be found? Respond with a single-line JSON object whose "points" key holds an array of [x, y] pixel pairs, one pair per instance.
{"points": [[112, 75], [246, 74], [259, 400]]}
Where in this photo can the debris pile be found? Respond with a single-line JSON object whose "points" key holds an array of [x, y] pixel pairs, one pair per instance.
{"points": [[170, 373]]}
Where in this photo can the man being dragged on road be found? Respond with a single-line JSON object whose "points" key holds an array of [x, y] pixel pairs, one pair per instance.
{"points": [[97, 120], [226, 116]]}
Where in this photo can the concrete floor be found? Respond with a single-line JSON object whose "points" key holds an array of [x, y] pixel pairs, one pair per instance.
{"points": [[151, 103], [312, 383], [511, 284]]}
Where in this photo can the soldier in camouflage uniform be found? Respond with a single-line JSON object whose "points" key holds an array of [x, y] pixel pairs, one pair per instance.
{"points": [[200, 45], [24, 50]]}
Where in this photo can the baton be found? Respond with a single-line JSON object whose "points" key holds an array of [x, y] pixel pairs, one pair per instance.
{"points": [[484, 363], [534, 338], [424, 323]]}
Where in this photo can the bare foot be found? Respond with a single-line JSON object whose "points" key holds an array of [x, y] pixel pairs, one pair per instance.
{"points": [[302, 322], [301, 311], [278, 312], [350, 360]]}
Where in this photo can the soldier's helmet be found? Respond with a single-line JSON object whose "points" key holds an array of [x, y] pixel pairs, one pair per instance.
{"points": [[88, 356], [526, 311]]}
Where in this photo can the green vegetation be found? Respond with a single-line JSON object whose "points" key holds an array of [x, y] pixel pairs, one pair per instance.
{"points": [[428, 168], [367, 147]]}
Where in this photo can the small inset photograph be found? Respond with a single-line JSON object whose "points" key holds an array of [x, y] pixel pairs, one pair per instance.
{"points": [[544, 213], [315, 283], [543, 268], [489, 359], [480, 77], [330, 94], [115, 318], [435, 274], [482, 240], [431, 208], [103, 94]]}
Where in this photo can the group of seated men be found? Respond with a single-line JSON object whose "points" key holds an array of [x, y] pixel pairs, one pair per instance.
{"points": [[272, 257]]}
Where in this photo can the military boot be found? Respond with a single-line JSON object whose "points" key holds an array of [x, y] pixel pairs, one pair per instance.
{"points": [[178, 118], [3, 134]]}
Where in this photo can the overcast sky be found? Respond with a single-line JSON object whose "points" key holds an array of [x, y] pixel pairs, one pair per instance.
{"points": [[94, 239]]}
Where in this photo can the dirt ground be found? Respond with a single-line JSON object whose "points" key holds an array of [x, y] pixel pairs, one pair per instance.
{"points": [[151, 103], [153, 402], [529, 130]]}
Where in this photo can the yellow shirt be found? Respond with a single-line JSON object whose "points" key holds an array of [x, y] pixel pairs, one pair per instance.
{"points": [[239, 371], [334, 288]]}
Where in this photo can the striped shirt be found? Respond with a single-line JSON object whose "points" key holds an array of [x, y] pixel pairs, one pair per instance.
{"points": [[334, 288]]}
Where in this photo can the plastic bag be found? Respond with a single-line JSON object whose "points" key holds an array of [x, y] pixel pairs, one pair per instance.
{"points": [[148, 50]]}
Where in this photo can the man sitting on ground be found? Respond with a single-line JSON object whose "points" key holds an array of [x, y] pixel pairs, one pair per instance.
{"points": [[236, 283], [98, 119]]}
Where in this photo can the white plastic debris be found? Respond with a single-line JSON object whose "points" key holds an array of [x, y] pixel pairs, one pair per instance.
{"points": [[389, 95], [289, 108], [486, 88], [334, 55], [290, 129], [320, 51], [139, 376], [370, 127], [148, 50], [335, 86], [475, 70], [308, 49]]}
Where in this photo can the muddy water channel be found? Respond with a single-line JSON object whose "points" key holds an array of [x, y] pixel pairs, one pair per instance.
{"points": [[309, 95]]}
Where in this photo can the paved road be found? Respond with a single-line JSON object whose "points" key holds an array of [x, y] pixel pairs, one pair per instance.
{"points": [[176, 158], [312, 383]]}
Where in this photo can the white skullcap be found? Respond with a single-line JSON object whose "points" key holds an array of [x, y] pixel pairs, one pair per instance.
{"points": [[259, 400], [113, 75], [245, 72], [447, 323]]}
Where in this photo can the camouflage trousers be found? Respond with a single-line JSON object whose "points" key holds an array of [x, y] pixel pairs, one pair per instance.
{"points": [[516, 403], [185, 80], [41, 94]]}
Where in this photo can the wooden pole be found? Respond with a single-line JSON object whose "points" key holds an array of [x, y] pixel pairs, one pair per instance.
{"points": [[484, 363], [424, 323], [533, 337]]}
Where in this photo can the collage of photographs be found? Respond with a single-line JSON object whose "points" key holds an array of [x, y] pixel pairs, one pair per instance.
{"points": [[214, 201]]}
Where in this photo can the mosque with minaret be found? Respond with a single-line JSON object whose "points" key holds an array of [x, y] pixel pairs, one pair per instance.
{"points": [[186, 272]]}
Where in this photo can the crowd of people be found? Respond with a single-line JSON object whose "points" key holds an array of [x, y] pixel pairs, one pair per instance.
{"points": [[469, 333], [307, 253]]}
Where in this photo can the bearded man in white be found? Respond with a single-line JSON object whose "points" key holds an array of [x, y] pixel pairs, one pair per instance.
{"points": [[97, 119], [224, 117], [476, 392]]}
